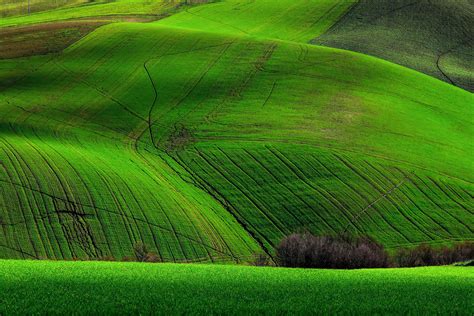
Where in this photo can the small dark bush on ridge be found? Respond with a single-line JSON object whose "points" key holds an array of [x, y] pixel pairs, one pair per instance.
{"points": [[261, 260], [142, 254], [333, 252]]}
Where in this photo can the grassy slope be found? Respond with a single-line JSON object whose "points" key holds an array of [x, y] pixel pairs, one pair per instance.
{"points": [[434, 37], [96, 10], [95, 287], [278, 136], [298, 20], [9, 8]]}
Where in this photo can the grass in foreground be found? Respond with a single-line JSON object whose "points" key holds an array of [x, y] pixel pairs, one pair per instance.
{"points": [[100, 287]]}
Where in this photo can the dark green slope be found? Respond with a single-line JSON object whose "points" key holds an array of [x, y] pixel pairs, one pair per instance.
{"points": [[434, 37]]}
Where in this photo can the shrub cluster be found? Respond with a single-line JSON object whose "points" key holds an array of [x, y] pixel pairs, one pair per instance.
{"points": [[142, 254], [335, 252], [425, 255], [346, 252]]}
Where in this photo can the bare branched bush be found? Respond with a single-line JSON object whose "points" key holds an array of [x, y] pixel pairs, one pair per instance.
{"points": [[142, 254], [128, 259], [106, 258], [140, 250], [152, 257], [336, 252], [261, 260], [426, 255]]}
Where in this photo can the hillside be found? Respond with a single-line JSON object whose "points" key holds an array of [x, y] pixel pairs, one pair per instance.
{"points": [[434, 37], [15, 13], [209, 143]]}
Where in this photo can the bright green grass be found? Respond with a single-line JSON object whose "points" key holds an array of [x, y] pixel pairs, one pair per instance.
{"points": [[283, 137], [101, 288]]}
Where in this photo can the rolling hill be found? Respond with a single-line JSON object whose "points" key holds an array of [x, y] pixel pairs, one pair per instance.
{"points": [[434, 37], [211, 134]]}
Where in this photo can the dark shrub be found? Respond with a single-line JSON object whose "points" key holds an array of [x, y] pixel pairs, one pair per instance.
{"points": [[463, 251], [336, 252], [292, 250], [142, 254], [426, 255], [140, 250], [261, 260], [106, 258], [152, 257], [128, 259]]}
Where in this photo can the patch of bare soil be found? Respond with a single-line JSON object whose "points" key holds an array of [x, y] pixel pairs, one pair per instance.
{"points": [[47, 38], [42, 39]]}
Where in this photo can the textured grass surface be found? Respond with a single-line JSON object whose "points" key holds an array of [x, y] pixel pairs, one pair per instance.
{"points": [[10, 8], [47, 38], [71, 9], [85, 288], [434, 37], [208, 144], [298, 20]]}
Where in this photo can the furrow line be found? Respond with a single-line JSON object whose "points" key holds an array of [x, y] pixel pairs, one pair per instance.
{"points": [[21, 252], [45, 206], [165, 214], [297, 220], [434, 202], [109, 211], [103, 93], [270, 94], [21, 160], [302, 177], [357, 193], [302, 200], [409, 198], [146, 220], [247, 196], [383, 194], [91, 200], [248, 227], [196, 184], [26, 180], [16, 236], [20, 200], [62, 186], [449, 196]]}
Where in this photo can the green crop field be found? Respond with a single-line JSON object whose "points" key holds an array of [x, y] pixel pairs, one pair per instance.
{"points": [[434, 37], [214, 131], [29, 287], [16, 12]]}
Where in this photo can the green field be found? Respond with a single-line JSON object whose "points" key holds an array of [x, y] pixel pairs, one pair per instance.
{"points": [[211, 134], [28, 287], [434, 37], [16, 13]]}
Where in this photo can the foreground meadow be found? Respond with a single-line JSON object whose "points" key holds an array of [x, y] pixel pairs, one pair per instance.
{"points": [[109, 287]]}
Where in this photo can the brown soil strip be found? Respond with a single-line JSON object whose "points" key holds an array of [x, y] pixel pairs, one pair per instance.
{"points": [[43, 39]]}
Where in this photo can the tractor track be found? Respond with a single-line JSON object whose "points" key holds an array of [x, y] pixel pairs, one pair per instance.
{"points": [[112, 212]]}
